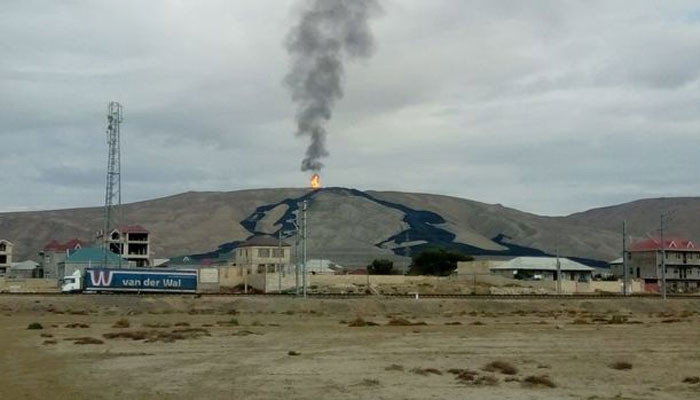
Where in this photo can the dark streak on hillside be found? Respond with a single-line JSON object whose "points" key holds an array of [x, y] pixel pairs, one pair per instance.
{"points": [[421, 228]]}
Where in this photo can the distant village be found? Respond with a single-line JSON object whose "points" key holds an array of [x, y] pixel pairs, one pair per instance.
{"points": [[268, 264]]}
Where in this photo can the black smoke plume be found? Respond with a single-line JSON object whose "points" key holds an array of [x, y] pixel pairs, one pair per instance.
{"points": [[328, 32]]}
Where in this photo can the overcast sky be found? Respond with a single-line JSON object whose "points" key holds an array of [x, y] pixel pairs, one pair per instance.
{"points": [[550, 107]]}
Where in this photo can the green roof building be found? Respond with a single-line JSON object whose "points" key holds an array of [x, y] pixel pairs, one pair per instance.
{"points": [[90, 257]]}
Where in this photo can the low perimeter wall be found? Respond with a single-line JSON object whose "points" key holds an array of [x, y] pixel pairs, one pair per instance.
{"points": [[28, 285]]}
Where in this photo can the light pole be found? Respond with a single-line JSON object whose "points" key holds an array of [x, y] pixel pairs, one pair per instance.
{"points": [[663, 257], [625, 267], [305, 228]]}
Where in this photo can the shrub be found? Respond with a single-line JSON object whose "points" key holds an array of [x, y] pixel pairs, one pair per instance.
{"points": [[486, 380], [502, 367], [121, 323], [618, 319], [394, 367], [538, 380], [87, 340], [396, 321], [438, 262], [157, 325], [381, 267], [426, 371], [692, 380], [293, 353], [230, 322], [35, 325], [463, 375], [621, 365], [360, 322]]}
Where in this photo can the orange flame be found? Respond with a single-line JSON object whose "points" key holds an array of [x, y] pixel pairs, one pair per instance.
{"points": [[315, 181]]}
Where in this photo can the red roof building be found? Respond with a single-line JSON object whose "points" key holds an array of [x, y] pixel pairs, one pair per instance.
{"points": [[654, 244], [72, 244]]}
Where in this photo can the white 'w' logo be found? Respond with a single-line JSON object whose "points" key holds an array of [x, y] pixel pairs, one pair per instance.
{"points": [[101, 278]]}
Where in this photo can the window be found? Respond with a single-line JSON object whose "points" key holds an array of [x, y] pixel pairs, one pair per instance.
{"points": [[278, 253], [263, 253], [261, 269]]}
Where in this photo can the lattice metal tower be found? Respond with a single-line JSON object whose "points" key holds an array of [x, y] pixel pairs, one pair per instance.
{"points": [[113, 193]]}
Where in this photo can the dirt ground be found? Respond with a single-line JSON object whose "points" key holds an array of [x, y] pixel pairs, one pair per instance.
{"points": [[185, 347]]}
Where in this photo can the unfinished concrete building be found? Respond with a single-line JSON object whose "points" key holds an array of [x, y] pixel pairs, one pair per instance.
{"points": [[262, 254], [5, 256], [132, 243]]}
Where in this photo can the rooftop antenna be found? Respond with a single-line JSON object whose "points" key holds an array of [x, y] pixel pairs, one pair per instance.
{"points": [[113, 191]]}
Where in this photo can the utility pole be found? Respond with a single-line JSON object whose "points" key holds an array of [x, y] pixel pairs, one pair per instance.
{"points": [[297, 238], [558, 269], [306, 235], [279, 262], [113, 191], [625, 267], [663, 257]]}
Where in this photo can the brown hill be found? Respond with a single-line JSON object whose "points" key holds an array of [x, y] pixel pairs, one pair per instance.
{"points": [[353, 227]]}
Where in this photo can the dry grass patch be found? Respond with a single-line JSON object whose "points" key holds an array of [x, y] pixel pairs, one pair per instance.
{"points": [[394, 367], [87, 340], [230, 322], [370, 382], [360, 322], [121, 323], [621, 365], [501, 366], [50, 341], [426, 371], [671, 320], [133, 335], [157, 325], [77, 325], [538, 381], [463, 375], [159, 336], [618, 319], [404, 322], [182, 324], [245, 332], [486, 380]]}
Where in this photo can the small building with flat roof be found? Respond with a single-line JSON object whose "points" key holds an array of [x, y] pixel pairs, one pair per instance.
{"points": [[544, 268], [24, 270]]}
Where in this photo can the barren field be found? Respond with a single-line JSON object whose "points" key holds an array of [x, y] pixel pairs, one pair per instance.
{"points": [[185, 347]]}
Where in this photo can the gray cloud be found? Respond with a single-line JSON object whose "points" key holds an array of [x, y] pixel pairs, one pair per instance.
{"points": [[551, 107]]}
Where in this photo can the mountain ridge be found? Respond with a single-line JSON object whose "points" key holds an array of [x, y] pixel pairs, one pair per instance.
{"points": [[352, 226]]}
